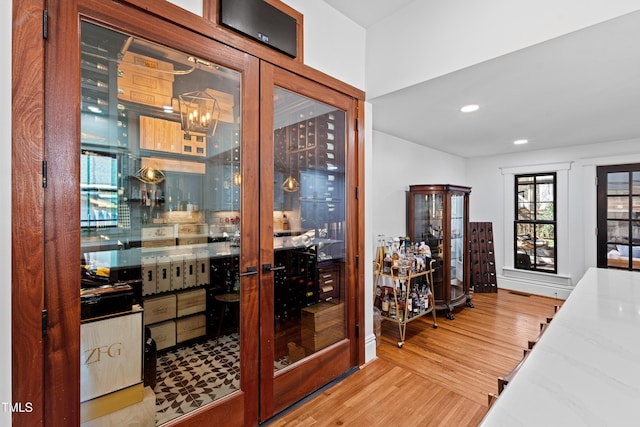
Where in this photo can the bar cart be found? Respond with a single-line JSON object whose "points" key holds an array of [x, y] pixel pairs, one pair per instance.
{"points": [[409, 296]]}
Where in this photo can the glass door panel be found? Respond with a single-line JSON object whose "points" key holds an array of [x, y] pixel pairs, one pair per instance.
{"points": [[309, 226], [428, 228], [306, 338], [160, 191], [457, 245], [619, 214]]}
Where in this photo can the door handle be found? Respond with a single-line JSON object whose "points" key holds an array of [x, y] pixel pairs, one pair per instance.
{"points": [[267, 268], [251, 271]]}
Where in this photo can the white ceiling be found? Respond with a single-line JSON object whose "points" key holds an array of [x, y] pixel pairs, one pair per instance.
{"points": [[581, 88]]}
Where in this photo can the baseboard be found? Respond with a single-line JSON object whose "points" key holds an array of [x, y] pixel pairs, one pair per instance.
{"points": [[536, 283]]}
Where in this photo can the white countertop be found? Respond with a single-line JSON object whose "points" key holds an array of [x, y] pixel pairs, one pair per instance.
{"points": [[585, 370]]}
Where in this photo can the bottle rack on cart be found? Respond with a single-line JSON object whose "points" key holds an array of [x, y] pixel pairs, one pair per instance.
{"points": [[398, 288]]}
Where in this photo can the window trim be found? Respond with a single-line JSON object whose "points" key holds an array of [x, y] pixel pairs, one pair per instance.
{"points": [[535, 222]]}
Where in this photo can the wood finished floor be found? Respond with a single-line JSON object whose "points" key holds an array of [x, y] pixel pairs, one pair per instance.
{"points": [[440, 376]]}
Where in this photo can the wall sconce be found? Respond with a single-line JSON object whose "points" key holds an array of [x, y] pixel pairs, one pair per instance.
{"points": [[199, 112]]}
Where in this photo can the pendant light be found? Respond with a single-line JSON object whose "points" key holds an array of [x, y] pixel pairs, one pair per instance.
{"points": [[290, 185]]}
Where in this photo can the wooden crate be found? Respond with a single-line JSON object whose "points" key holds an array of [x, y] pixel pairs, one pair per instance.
{"points": [[191, 327], [322, 316], [111, 355], [314, 341], [149, 271], [191, 302], [159, 308], [163, 273], [164, 334], [145, 80]]}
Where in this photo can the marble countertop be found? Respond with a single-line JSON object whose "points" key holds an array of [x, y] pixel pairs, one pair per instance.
{"points": [[585, 369]]}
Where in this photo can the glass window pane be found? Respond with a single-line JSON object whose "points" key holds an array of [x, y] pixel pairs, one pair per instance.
{"points": [[160, 238], [618, 183], [525, 246], [618, 207], [309, 215], [545, 247], [618, 231], [636, 183]]}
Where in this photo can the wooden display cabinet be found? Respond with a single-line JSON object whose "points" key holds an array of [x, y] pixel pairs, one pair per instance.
{"points": [[439, 216]]}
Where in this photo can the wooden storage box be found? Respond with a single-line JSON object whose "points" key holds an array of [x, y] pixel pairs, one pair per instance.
{"points": [[322, 316], [187, 230], [164, 334], [315, 341], [110, 355], [177, 272], [194, 144], [192, 240], [191, 327], [191, 302], [159, 308], [149, 279], [163, 273], [203, 268], [145, 80], [190, 270]]}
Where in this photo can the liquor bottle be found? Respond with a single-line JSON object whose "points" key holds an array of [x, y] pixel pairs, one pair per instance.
{"points": [[384, 306], [285, 222], [410, 305], [387, 264], [378, 301]]}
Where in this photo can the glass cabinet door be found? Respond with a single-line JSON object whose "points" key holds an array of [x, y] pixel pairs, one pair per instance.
{"points": [[457, 246], [160, 193], [428, 228]]}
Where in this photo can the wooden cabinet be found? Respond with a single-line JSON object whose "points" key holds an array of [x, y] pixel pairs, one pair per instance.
{"points": [[439, 216]]}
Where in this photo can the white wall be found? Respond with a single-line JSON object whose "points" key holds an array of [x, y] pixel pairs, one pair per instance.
{"points": [[397, 164], [578, 207], [430, 38], [5, 212], [333, 44]]}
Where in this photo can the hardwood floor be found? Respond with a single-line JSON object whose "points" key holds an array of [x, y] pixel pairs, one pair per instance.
{"points": [[440, 376]]}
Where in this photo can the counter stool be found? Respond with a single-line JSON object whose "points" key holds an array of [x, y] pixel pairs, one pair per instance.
{"points": [[225, 300]]}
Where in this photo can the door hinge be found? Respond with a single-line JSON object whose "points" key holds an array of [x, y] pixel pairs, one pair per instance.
{"points": [[45, 24], [44, 322], [357, 261], [357, 192], [44, 174], [357, 330], [357, 124]]}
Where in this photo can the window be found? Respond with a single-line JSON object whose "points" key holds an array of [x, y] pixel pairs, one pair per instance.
{"points": [[619, 216], [535, 222]]}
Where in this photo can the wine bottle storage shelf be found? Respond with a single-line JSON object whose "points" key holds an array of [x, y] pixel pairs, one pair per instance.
{"points": [[483, 264]]}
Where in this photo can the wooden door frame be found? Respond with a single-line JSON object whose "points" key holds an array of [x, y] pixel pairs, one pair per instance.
{"points": [[27, 210], [328, 364], [40, 376]]}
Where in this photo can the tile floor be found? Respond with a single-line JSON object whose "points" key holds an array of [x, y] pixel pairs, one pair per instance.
{"points": [[196, 375]]}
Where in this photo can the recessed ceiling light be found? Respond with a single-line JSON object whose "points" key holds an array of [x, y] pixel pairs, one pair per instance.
{"points": [[520, 141], [470, 108]]}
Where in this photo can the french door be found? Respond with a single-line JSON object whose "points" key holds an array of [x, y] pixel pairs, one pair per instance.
{"points": [[619, 216], [212, 230], [307, 236]]}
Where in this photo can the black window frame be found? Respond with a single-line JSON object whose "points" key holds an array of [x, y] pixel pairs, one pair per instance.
{"points": [[523, 261]]}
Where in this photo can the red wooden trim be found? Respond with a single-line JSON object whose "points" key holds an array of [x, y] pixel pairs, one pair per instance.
{"points": [[27, 210]]}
